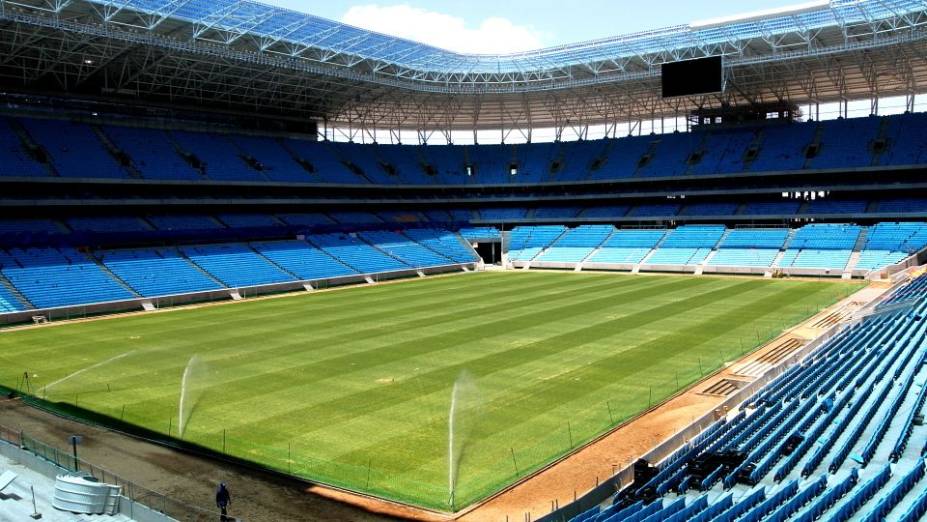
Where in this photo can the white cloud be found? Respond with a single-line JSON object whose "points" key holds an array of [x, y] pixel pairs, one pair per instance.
{"points": [[493, 35]]}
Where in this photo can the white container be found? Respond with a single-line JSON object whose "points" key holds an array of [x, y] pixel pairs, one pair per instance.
{"points": [[78, 494]]}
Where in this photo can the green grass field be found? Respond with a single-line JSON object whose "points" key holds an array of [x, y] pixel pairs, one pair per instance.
{"points": [[352, 387]]}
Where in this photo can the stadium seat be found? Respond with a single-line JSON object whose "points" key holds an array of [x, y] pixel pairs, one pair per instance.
{"points": [[853, 395], [249, 220], [526, 242], [154, 272], [184, 222], [235, 264], [185, 155], [360, 256], [443, 242], [15, 160], [8, 302], [306, 220], [628, 246], [404, 249], [480, 234], [152, 153], [576, 244], [108, 224], [30, 226], [74, 149], [219, 158], [303, 260], [51, 277]]}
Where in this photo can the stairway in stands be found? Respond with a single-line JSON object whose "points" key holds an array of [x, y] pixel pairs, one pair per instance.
{"points": [[594, 251], [15, 292], [655, 248], [123, 159], [779, 256], [384, 251], [112, 275], [857, 249], [200, 269], [35, 150], [426, 247], [272, 262]]}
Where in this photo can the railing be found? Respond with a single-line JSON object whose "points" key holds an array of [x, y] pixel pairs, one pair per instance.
{"points": [[138, 494], [901, 269]]}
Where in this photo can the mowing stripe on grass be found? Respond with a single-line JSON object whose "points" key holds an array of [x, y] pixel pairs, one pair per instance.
{"points": [[580, 383], [271, 382], [343, 408], [351, 387], [574, 384], [308, 326]]}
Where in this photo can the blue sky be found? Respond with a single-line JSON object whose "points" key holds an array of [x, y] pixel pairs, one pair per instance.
{"points": [[512, 25]]}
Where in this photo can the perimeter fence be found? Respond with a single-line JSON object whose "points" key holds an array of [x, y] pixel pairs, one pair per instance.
{"points": [[69, 463]]}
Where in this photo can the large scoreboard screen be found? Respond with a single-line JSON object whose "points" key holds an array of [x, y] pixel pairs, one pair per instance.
{"points": [[690, 77]]}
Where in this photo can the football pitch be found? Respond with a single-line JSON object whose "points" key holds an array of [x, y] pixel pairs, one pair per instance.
{"points": [[354, 388]]}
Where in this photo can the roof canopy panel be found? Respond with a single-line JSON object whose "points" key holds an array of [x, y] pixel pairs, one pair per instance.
{"points": [[297, 34]]}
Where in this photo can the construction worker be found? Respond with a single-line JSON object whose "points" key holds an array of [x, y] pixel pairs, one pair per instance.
{"points": [[223, 499]]}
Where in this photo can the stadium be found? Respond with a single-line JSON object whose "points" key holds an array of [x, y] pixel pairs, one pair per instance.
{"points": [[670, 275]]}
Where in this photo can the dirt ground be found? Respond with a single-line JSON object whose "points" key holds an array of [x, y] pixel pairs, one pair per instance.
{"points": [[265, 497], [256, 496]]}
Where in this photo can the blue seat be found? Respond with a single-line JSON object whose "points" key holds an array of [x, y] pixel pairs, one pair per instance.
{"points": [[480, 234], [220, 159], [9, 302], [358, 255], [694, 236], [236, 264], [405, 250], [249, 220], [443, 242], [51, 278], [355, 218], [108, 224], [74, 149], [307, 220], [577, 243], [154, 272], [184, 222], [30, 227], [678, 256], [303, 260], [526, 242], [15, 160], [152, 153]]}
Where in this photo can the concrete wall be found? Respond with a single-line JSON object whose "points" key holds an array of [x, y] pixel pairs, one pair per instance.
{"points": [[691, 269]]}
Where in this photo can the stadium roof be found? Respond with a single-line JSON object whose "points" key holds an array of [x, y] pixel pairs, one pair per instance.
{"points": [[390, 56], [246, 55]]}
